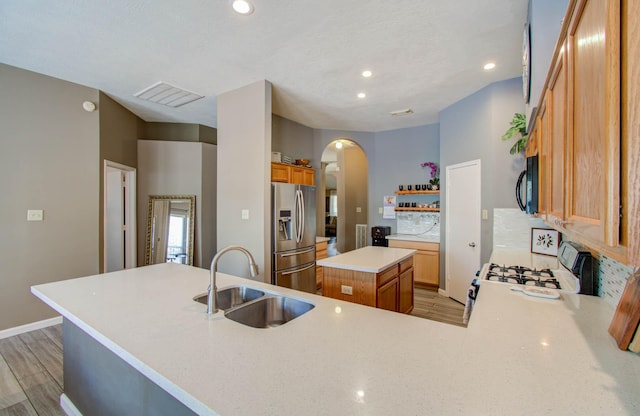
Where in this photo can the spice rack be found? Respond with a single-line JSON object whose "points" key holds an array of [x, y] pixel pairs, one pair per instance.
{"points": [[417, 209]]}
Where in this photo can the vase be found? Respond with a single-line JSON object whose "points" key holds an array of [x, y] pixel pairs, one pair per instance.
{"points": [[435, 187]]}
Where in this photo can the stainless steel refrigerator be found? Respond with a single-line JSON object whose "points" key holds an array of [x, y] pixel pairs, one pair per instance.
{"points": [[293, 236]]}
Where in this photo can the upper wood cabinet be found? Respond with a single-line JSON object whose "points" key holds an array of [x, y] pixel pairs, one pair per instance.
{"points": [[281, 172], [587, 130], [592, 201]]}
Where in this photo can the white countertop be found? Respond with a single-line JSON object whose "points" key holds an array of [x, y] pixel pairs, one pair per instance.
{"points": [[370, 259], [422, 238], [322, 239], [519, 355]]}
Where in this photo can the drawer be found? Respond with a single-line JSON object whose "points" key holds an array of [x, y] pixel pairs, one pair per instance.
{"points": [[406, 264], [387, 275]]}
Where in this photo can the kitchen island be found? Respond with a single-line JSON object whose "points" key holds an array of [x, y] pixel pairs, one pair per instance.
{"points": [[517, 356], [381, 277]]}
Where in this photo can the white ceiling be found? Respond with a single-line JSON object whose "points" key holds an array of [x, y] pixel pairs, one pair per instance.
{"points": [[424, 54]]}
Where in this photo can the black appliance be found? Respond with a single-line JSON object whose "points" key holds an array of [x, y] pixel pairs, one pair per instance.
{"points": [[580, 262], [378, 234], [530, 202]]}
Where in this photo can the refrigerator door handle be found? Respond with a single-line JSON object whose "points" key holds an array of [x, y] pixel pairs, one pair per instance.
{"points": [[302, 219], [298, 252], [288, 272]]}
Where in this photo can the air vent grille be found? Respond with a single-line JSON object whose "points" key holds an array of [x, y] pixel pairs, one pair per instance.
{"points": [[167, 94]]}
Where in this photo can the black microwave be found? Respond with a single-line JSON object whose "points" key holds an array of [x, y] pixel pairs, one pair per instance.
{"points": [[529, 203]]}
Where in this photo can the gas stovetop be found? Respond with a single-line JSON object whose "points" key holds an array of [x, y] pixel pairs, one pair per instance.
{"points": [[522, 275]]}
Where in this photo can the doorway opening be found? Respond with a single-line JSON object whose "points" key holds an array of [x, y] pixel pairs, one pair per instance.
{"points": [[119, 245], [344, 190]]}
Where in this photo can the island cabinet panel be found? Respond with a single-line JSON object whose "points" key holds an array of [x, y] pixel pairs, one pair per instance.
{"points": [[321, 253], [426, 262], [362, 285], [391, 288]]}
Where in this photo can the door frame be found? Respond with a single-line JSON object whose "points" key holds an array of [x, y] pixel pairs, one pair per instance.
{"points": [[478, 183], [131, 241]]}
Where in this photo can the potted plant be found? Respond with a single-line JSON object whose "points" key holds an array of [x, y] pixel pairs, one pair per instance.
{"points": [[434, 182], [518, 129]]}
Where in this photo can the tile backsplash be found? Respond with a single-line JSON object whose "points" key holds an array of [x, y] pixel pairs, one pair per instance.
{"points": [[512, 229], [418, 223], [612, 277]]}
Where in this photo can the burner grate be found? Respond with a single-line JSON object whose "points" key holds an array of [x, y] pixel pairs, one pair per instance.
{"points": [[522, 275]]}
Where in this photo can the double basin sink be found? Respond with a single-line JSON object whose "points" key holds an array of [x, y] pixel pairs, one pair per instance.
{"points": [[257, 308]]}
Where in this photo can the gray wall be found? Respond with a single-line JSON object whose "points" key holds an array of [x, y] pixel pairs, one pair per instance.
{"points": [[292, 139], [396, 161], [50, 161], [471, 129], [353, 191], [545, 18], [182, 132], [119, 132], [244, 176]]}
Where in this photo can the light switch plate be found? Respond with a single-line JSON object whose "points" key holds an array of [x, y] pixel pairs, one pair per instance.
{"points": [[35, 215], [358, 209], [485, 214], [380, 211], [245, 214]]}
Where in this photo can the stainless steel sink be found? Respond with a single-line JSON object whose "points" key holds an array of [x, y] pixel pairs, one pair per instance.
{"points": [[233, 296], [269, 311]]}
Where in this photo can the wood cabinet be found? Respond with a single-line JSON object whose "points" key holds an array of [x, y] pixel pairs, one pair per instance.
{"points": [[426, 262], [588, 130], [321, 253], [281, 172], [391, 288]]}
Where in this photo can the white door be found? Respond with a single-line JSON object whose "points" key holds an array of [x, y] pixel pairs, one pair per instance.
{"points": [[119, 217], [463, 216]]}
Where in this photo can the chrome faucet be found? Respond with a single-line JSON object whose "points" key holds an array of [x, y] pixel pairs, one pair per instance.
{"points": [[212, 291]]}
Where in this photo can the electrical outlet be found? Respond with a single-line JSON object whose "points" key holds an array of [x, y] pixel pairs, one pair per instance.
{"points": [[35, 215], [346, 290], [358, 209]]}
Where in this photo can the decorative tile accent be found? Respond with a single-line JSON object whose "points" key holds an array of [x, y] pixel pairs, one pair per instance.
{"points": [[612, 277], [512, 228], [418, 223]]}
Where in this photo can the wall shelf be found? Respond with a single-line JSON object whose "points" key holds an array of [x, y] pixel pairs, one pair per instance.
{"points": [[417, 192], [416, 209]]}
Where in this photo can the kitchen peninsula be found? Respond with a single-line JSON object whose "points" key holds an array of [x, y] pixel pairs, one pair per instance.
{"points": [[518, 355], [381, 277]]}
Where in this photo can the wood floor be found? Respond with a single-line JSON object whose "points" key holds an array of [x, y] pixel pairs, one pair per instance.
{"points": [[31, 373], [31, 364]]}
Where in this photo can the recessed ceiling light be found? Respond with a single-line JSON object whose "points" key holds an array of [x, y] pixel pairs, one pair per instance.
{"points": [[367, 73], [242, 6], [489, 66], [361, 95], [338, 145]]}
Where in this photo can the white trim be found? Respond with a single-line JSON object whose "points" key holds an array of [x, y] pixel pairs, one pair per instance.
{"points": [[10, 332], [443, 292], [68, 407], [131, 259]]}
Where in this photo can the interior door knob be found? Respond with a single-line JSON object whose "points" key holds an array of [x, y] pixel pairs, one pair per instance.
{"points": [[472, 244]]}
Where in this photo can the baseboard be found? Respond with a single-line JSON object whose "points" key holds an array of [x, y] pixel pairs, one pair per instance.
{"points": [[9, 332], [443, 292], [68, 407]]}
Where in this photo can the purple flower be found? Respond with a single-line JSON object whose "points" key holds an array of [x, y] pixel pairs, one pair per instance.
{"points": [[434, 168]]}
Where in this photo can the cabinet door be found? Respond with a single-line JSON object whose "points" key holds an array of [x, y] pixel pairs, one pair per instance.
{"points": [[543, 121], [405, 285], [556, 144], [308, 177], [426, 267], [388, 296], [592, 206], [280, 173]]}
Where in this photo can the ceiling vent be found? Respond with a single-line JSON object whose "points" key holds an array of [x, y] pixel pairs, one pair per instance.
{"points": [[404, 112], [167, 94]]}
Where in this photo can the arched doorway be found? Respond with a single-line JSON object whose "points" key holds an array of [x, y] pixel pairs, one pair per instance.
{"points": [[345, 188]]}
